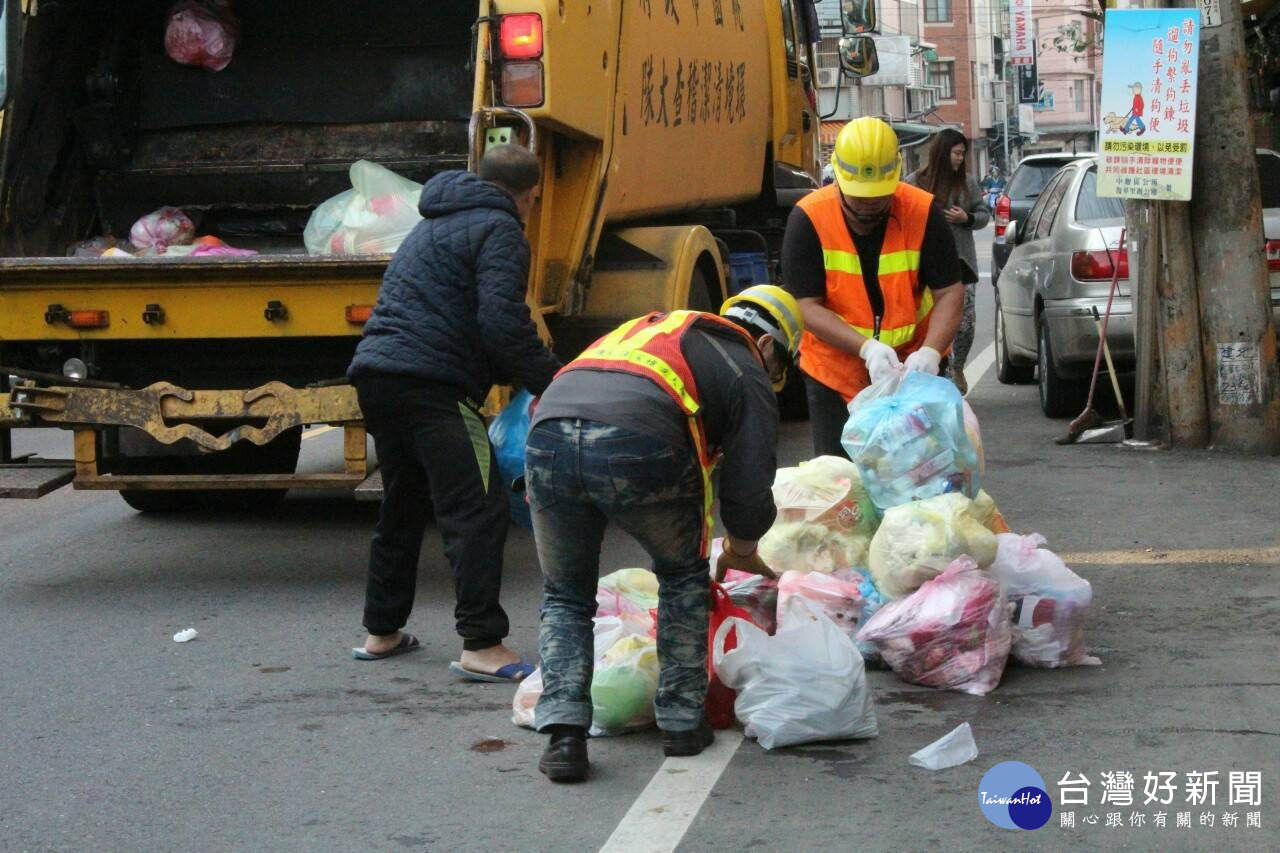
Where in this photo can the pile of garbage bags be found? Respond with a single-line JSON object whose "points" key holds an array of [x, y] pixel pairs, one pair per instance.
{"points": [[896, 558]]}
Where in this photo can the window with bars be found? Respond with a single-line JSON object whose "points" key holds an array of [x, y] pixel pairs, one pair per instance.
{"points": [[942, 75], [937, 11]]}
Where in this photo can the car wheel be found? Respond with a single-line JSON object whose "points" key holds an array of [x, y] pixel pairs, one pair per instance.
{"points": [[1059, 397], [1007, 371]]}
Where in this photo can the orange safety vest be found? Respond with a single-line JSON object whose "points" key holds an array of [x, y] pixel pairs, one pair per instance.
{"points": [[906, 305], [651, 347]]}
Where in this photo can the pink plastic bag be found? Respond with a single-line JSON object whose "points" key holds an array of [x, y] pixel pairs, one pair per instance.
{"points": [[161, 229], [202, 33], [836, 598], [952, 633], [1050, 602]]}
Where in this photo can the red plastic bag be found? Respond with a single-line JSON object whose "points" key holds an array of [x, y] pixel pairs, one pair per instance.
{"points": [[202, 33], [719, 707]]}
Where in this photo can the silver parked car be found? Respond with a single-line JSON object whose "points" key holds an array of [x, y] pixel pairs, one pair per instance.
{"points": [[1059, 272]]}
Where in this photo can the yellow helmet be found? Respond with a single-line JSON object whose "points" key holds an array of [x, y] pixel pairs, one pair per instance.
{"points": [[769, 307], [866, 161]]}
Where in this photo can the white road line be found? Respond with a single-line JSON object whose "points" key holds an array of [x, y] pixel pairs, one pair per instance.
{"points": [[978, 367], [661, 815], [321, 430]]}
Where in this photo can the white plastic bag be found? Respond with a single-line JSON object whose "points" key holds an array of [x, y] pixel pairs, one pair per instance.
{"points": [[160, 229], [1050, 602], [954, 748], [371, 218], [805, 683], [526, 699], [202, 33], [917, 540]]}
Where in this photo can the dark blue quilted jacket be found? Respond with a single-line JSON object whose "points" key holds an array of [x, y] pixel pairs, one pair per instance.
{"points": [[451, 309]]}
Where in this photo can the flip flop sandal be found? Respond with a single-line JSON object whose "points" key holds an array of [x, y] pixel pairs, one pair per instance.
{"points": [[512, 673], [408, 643]]}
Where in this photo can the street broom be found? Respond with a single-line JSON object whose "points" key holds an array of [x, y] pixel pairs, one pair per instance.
{"points": [[1089, 419]]}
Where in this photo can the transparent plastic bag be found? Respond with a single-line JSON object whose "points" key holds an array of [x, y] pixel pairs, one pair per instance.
{"points": [[812, 546], [837, 598], [806, 683], [371, 218], [624, 686], [828, 490], [629, 593], [1050, 602], [986, 511], [756, 595], [916, 541], [974, 432], [202, 33], [160, 229], [508, 434], [952, 633], [607, 632], [907, 436]]}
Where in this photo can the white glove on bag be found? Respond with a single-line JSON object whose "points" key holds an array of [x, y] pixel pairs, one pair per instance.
{"points": [[925, 360], [881, 359]]}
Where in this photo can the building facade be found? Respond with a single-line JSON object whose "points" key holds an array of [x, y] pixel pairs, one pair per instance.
{"points": [[1069, 62], [961, 67]]}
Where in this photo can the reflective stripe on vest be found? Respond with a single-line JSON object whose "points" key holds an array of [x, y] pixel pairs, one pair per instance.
{"points": [[630, 349], [904, 320]]}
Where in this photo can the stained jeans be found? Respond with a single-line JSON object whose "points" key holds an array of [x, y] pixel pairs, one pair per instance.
{"points": [[581, 475]]}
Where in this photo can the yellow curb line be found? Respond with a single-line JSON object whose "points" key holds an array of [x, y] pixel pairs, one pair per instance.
{"points": [[1268, 555]]}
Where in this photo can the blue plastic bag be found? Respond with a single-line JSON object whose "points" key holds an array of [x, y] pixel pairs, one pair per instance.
{"points": [[906, 435], [509, 432]]}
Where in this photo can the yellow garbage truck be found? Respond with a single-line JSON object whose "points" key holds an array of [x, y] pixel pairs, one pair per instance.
{"points": [[672, 133]]}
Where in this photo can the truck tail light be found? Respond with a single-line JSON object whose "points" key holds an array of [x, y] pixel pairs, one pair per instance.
{"points": [[520, 36], [522, 84], [1273, 255], [1097, 266], [78, 319], [358, 315], [1003, 208]]}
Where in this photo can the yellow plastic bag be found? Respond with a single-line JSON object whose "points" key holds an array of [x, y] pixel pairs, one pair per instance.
{"points": [[918, 540]]}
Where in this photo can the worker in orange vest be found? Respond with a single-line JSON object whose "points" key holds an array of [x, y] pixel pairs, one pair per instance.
{"points": [[630, 432], [873, 265]]}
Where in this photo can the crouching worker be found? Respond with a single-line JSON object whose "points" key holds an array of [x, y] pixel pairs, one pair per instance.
{"points": [[630, 432]]}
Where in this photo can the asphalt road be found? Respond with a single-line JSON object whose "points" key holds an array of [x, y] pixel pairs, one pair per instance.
{"points": [[263, 734]]}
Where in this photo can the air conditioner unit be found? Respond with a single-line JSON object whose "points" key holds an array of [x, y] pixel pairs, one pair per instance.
{"points": [[828, 78]]}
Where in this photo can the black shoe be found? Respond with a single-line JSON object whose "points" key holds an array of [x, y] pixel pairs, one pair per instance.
{"points": [[565, 759], [688, 743]]}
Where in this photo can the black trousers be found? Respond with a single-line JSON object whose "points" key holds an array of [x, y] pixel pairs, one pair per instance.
{"points": [[432, 446], [827, 416]]}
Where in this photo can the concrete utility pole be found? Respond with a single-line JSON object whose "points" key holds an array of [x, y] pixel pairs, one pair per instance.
{"points": [[1238, 336]]}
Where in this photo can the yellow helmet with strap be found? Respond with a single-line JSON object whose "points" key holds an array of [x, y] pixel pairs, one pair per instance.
{"points": [[774, 310], [865, 159]]}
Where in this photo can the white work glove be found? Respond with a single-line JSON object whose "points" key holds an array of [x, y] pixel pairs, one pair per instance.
{"points": [[925, 360], [881, 359]]}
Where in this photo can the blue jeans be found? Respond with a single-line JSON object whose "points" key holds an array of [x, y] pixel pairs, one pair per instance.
{"points": [[581, 475], [1131, 122]]}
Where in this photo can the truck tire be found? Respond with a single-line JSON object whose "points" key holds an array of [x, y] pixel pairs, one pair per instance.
{"points": [[278, 457]]}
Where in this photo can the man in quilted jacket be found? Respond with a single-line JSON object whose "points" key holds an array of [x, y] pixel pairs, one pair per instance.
{"points": [[450, 322]]}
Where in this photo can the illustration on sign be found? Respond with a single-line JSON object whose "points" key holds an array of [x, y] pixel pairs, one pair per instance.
{"points": [[1149, 65]]}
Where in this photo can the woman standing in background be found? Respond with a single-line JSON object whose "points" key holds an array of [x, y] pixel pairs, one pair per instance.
{"points": [[946, 176]]}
